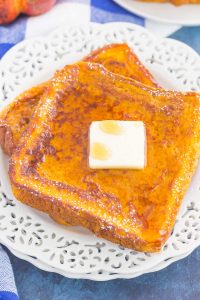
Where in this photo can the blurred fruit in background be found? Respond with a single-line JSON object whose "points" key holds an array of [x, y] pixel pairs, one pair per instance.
{"points": [[10, 9]]}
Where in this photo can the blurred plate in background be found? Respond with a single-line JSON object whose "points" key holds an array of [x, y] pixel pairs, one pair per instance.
{"points": [[186, 15]]}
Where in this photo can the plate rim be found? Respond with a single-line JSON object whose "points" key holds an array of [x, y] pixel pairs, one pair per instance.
{"points": [[156, 18], [44, 267]]}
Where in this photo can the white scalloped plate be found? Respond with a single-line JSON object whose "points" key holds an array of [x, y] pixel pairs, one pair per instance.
{"points": [[97, 276], [74, 251], [186, 15]]}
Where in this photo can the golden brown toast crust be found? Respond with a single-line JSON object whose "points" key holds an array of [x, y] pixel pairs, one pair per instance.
{"points": [[15, 117], [120, 59], [136, 209], [117, 58]]}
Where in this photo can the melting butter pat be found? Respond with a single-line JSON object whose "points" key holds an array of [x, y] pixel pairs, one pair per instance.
{"points": [[117, 145]]}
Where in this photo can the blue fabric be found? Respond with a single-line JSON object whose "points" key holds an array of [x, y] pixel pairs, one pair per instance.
{"points": [[108, 11], [8, 296], [14, 32], [189, 36], [7, 283], [4, 48]]}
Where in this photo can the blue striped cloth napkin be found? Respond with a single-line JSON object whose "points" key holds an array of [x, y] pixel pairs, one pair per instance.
{"points": [[71, 11], [8, 289]]}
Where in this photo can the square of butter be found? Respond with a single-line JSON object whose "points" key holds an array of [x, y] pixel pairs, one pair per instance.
{"points": [[117, 145]]}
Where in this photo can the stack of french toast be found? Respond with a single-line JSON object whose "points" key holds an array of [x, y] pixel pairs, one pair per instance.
{"points": [[45, 133]]}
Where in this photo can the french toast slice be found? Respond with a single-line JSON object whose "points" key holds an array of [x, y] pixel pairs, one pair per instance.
{"points": [[118, 58], [49, 169]]}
